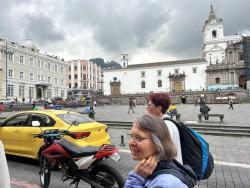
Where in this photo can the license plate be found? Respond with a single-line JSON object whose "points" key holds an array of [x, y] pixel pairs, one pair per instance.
{"points": [[115, 156]]}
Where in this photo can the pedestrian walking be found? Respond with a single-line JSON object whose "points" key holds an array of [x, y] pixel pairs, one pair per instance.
{"points": [[23, 99], [1, 107], [230, 102], [131, 106]]}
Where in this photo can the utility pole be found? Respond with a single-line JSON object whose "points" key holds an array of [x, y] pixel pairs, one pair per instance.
{"points": [[5, 50]]}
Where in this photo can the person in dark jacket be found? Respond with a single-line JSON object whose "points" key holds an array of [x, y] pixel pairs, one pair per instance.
{"points": [[204, 109], [150, 144]]}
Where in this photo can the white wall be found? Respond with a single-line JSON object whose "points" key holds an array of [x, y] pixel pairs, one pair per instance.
{"points": [[131, 78]]}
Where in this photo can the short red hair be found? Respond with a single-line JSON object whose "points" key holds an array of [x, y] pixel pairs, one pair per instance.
{"points": [[160, 99]]}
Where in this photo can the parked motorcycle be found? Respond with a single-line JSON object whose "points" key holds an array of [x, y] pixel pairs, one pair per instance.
{"points": [[77, 163]]}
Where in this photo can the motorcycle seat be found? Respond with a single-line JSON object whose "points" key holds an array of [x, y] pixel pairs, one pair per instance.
{"points": [[77, 151]]}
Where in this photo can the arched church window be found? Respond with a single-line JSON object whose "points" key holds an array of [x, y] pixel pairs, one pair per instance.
{"points": [[143, 85], [214, 33], [159, 83]]}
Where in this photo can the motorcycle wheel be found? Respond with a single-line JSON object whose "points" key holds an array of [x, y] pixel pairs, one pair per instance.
{"points": [[106, 176], [45, 172]]}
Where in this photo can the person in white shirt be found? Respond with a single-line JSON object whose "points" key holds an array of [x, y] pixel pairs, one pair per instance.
{"points": [[4, 171], [158, 104]]}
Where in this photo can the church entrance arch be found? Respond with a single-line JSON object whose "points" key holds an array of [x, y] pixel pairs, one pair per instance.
{"points": [[243, 81], [177, 87]]}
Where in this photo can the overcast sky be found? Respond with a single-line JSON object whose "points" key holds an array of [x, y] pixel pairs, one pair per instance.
{"points": [[148, 30]]}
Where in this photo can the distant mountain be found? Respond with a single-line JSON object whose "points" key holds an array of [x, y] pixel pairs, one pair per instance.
{"points": [[106, 65]]}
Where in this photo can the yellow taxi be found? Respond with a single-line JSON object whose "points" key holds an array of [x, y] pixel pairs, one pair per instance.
{"points": [[16, 132]]}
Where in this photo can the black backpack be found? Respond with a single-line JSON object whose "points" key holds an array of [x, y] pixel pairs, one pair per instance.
{"points": [[195, 151]]}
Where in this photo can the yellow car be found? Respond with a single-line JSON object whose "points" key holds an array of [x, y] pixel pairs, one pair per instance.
{"points": [[16, 132]]}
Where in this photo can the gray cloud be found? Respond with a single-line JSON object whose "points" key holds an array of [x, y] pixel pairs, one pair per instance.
{"points": [[42, 29], [107, 27]]}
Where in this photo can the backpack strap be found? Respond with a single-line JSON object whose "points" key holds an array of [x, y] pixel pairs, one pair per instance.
{"points": [[183, 172]]}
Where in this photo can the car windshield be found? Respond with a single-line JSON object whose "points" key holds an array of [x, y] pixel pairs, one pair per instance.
{"points": [[74, 119]]}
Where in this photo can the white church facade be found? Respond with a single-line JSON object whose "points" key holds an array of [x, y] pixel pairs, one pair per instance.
{"points": [[180, 75]]}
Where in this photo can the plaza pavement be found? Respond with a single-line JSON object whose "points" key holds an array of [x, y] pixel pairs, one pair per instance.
{"points": [[231, 154]]}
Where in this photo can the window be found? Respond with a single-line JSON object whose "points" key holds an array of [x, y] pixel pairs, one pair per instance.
{"points": [[55, 80], [61, 69], [17, 121], [31, 92], [10, 91], [56, 68], [84, 67], [75, 67], [240, 56], [84, 86], [39, 63], [214, 33], [194, 69], [62, 81], [56, 92], [10, 73], [10, 56], [69, 68], [217, 80], [21, 91], [44, 121], [69, 85], [31, 62], [49, 66], [84, 77], [75, 85], [217, 61], [31, 77], [143, 85], [39, 77], [232, 77], [142, 74], [21, 75], [49, 93], [62, 93], [159, 83], [69, 77], [49, 79], [75, 76], [21, 59], [159, 72]]}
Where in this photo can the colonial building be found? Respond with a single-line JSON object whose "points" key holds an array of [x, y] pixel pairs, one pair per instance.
{"points": [[27, 73], [232, 71], [170, 76], [225, 64], [84, 78]]}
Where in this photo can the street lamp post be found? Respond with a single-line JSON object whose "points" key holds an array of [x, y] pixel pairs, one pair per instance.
{"points": [[5, 50]]}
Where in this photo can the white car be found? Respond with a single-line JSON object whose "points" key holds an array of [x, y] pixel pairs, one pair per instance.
{"points": [[7, 101]]}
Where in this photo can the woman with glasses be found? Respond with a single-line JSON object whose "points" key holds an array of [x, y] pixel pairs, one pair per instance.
{"points": [[150, 144]]}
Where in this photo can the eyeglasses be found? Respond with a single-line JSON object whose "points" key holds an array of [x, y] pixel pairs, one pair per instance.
{"points": [[136, 138], [151, 105]]}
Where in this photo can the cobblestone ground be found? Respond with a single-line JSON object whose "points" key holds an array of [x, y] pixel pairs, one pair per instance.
{"points": [[231, 154]]}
